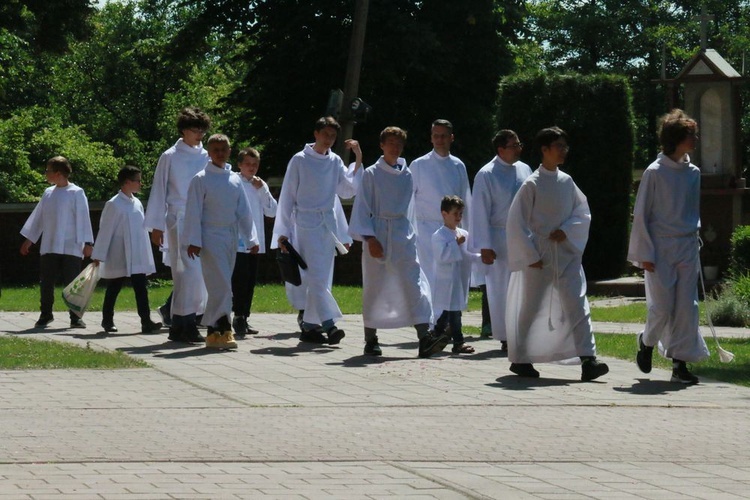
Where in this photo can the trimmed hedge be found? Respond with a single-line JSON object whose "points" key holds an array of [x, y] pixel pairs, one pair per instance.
{"points": [[596, 112], [739, 257]]}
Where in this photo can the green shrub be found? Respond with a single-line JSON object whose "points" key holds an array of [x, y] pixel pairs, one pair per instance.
{"points": [[739, 257], [728, 307], [596, 112]]}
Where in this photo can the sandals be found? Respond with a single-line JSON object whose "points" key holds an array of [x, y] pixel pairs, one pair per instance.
{"points": [[462, 349]]}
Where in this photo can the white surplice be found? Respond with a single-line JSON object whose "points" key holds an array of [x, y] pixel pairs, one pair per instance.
{"points": [[306, 215], [123, 245], [495, 185], [666, 220], [435, 176], [395, 291], [262, 203], [547, 316], [217, 212], [62, 216], [452, 270], [166, 212]]}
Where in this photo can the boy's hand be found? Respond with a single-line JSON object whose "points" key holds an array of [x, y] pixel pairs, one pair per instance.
{"points": [[648, 266], [87, 250], [460, 239], [354, 146], [281, 241], [157, 237], [96, 263], [538, 264], [558, 236], [193, 251], [488, 256], [255, 249], [257, 182], [26, 246], [375, 248]]}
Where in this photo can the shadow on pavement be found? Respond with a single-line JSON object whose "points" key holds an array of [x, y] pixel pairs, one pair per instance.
{"points": [[155, 349], [516, 383], [300, 348], [477, 356], [364, 360], [647, 387]]}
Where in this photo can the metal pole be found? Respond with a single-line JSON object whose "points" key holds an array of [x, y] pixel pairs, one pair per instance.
{"points": [[353, 69]]}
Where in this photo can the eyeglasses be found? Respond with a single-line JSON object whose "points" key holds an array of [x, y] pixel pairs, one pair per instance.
{"points": [[515, 145], [198, 131], [561, 147]]}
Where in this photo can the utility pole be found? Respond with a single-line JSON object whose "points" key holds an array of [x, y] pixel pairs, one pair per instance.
{"points": [[353, 70]]}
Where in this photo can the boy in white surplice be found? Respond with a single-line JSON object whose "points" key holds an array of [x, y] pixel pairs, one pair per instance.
{"points": [[216, 214], [547, 317], [395, 291], [664, 242]]}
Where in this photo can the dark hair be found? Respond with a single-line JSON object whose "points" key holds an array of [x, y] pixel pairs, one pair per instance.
{"points": [[327, 121], [547, 136], [251, 152], [220, 138], [675, 127], [192, 117], [127, 173], [502, 137], [443, 123], [449, 202], [60, 164], [392, 131]]}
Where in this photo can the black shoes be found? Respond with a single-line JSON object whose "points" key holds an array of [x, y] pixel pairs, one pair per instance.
{"points": [[314, 336], [592, 369], [682, 375], [109, 327], [150, 327], [77, 323], [432, 343], [372, 348], [335, 334], [239, 325], [526, 370], [645, 354], [166, 317], [503, 346], [44, 320], [189, 335]]}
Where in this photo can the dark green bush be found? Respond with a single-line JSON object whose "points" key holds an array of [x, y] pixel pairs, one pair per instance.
{"points": [[739, 257], [596, 112]]}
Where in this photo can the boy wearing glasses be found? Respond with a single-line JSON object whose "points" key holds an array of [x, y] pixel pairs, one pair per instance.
{"points": [[664, 242], [165, 216], [548, 316], [123, 250], [495, 185], [62, 216]]}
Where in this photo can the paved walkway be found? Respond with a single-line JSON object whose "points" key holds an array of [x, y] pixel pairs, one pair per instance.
{"points": [[277, 419]]}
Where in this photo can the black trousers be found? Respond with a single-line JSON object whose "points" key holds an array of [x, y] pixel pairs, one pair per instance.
{"points": [[51, 267], [243, 283], [113, 290]]}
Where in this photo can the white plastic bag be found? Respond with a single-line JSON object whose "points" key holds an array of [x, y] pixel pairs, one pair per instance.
{"points": [[78, 293]]}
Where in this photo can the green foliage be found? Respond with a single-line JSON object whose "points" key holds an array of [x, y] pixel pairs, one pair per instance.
{"points": [[730, 306], [32, 354], [739, 257], [596, 112], [31, 138]]}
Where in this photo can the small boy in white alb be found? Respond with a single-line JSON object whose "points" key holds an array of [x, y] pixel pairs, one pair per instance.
{"points": [[123, 249], [216, 214], [451, 272], [246, 266], [62, 217]]}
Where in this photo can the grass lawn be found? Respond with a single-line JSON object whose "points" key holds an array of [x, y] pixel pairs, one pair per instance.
{"points": [[31, 354]]}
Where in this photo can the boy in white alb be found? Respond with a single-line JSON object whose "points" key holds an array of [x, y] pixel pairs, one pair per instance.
{"points": [[217, 213], [664, 242], [165, 216], [306, 217], [245, 271], [62, 218], [452, 272], [548, 316], [123, 249], [434, 175], [395, 291], [495, 186]]}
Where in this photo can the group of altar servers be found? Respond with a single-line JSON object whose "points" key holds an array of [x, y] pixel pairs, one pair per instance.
{"points": [[426, 237]]}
